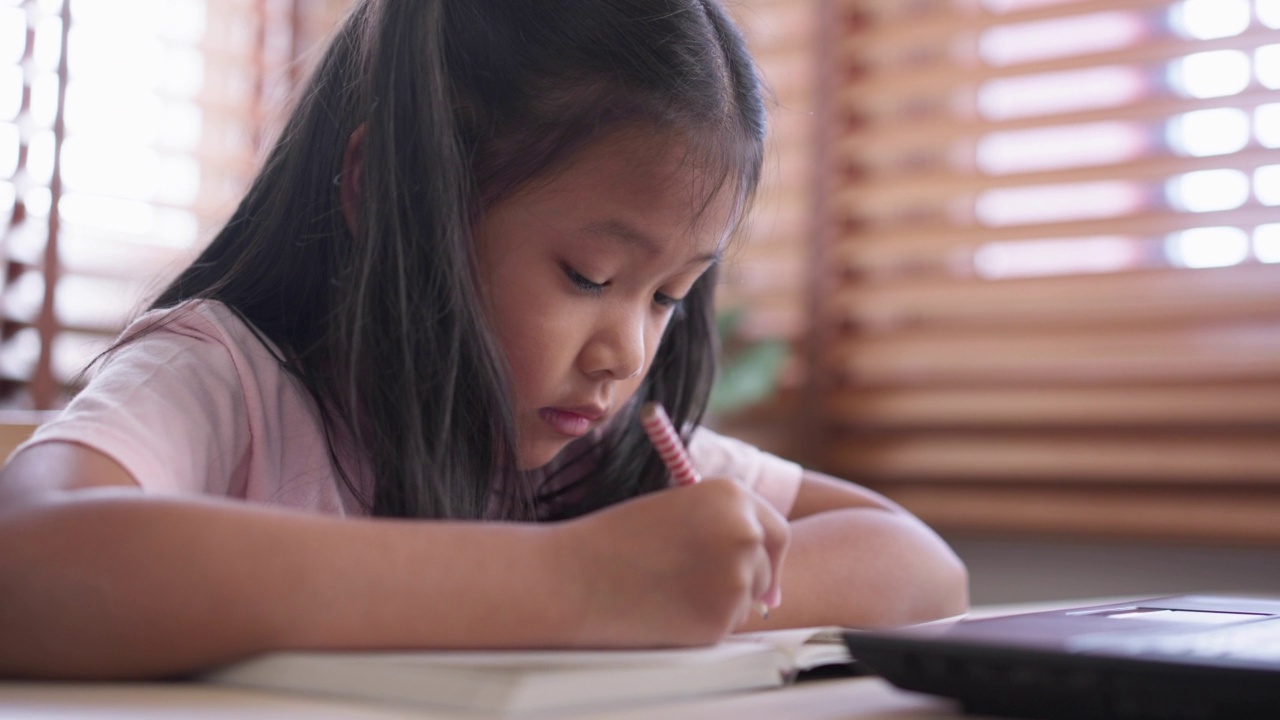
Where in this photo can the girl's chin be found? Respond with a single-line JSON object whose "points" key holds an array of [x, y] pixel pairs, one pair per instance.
{"points": [[539, 454]]}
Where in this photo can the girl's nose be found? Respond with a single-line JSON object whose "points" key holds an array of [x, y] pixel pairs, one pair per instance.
{"points": [[617, 350]]}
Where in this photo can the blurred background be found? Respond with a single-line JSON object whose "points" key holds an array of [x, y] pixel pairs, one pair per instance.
{"points": [[1016, 263]]}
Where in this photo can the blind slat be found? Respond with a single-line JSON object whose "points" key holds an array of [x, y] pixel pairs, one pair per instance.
{"points": [[1200, 458], [1101, 300], [1243, 404], [884, 250], [887, 83], [884, 139], [888, 193], [1208, 352], [896, 24]]}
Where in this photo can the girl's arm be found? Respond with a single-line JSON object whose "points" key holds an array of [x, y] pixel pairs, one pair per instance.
{"points": [[100, 580], [857, 559]]}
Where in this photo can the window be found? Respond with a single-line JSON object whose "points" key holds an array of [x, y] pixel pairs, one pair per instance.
{"points": [[1055, 292], [128, 130]]}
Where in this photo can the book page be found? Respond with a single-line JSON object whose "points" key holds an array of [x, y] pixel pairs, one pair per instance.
{"points": [[804, 648], [533, 660]]}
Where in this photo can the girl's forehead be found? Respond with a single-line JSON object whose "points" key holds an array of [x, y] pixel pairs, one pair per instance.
{"points": [[644, 175], [642, 198]]}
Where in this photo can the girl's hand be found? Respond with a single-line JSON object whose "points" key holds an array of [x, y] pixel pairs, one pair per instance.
{"points": [[678, 567]]}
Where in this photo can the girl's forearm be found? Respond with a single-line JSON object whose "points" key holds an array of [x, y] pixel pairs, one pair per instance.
{"points": [[110, 583], [125, 586], [866, 567]]}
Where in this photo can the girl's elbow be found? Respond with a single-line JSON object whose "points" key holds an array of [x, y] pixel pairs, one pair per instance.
{"points": [[938, 580], [950, 591]]}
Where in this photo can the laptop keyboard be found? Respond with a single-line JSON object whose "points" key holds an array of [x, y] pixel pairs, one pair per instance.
{"points": [[1256, 641]]}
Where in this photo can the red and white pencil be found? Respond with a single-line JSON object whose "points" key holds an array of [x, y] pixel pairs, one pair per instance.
{"points": [[665, 440]]}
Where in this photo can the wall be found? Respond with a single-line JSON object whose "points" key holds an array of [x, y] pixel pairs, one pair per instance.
{"points": [[1004, 569]]}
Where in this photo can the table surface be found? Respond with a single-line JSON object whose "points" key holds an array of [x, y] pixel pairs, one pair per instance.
{"points": [[862, 698], [858, 698]]}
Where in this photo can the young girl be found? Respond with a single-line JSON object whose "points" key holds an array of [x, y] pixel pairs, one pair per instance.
{"points": [[394, 403]]}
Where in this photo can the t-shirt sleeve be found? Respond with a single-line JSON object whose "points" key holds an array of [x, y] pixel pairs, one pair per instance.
{"points": [[167, 406], [772, 477]]}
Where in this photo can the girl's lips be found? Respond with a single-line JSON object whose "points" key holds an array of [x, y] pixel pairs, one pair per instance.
{"points": [[567, 422]]}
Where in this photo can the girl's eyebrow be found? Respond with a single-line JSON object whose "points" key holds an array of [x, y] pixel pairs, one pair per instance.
{"points": [[631, 236]]}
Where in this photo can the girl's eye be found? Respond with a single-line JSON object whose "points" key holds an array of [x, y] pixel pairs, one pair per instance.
{"points": [[667, 301], [672, 305], [582, 283]]}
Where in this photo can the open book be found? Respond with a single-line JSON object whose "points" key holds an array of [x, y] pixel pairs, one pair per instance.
{"points": [[530, 683]]}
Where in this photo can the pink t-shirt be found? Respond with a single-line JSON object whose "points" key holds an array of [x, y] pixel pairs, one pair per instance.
{"points": [[200, 405]]}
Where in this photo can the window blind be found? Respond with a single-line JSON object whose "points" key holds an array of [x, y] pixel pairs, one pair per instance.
{"points": [[767, 276], [768, 268], [128, 131], [1053, 296]]}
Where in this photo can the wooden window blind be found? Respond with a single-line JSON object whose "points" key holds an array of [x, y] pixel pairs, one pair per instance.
{"points": [[1053, 301], [768, 274], [128, 130]]}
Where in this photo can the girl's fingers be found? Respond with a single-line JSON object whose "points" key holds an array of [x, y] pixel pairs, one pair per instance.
{"points": [[777, 536]]}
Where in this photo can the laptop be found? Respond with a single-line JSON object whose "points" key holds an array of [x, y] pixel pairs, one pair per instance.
{"points": [[1187, 657]]}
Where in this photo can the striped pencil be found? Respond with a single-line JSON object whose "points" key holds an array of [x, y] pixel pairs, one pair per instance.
{"points": [[665, 440]]}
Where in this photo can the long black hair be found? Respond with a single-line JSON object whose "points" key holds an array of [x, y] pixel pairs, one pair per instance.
{"points": [[463, 102]]}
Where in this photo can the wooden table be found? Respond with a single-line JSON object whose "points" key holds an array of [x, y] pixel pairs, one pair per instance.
{"points": [[864, 698], [859, 698]]}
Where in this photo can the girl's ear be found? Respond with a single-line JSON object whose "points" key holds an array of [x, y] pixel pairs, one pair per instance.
{"points": [[352, 179]]}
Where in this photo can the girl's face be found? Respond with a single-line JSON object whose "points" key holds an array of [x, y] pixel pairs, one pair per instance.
{"points": [[581, 274]]}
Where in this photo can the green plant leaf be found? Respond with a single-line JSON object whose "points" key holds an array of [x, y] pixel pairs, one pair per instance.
{"points": [[727, 323], [750, 376]]}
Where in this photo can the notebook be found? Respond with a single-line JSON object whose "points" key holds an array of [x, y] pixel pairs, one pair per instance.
{"points": [[544, 683], [1189, 657]]}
